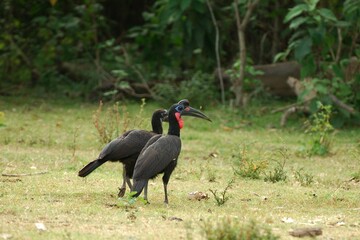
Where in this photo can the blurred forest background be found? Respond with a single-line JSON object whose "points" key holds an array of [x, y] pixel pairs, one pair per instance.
{"points": [[218, 52]]}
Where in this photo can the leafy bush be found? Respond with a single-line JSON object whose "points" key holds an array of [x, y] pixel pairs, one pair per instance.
{"points": [[305, 179], [246, 167], [251, 85], [222, 198], [323, 43], [37, 38], [232, 229], [278, 174], [199, 89], [319, 128]]}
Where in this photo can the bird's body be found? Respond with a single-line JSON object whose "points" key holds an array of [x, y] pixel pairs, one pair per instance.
{"points": [[126, 150], [161, 153]]}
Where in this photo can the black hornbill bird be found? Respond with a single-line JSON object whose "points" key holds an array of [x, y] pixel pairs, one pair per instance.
{"points": [[126, 149], [160, 153]]}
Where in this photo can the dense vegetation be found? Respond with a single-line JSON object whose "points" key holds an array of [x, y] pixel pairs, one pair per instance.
{"points": [[168, 49]]}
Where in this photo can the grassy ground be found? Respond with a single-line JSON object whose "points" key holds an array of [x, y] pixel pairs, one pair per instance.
{"points": [[58, 138]]}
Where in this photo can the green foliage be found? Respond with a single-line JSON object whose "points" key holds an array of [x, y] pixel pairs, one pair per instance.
{"points": [[251, 83], [305, 179], [246, 167], [232, 229], [319, 128], [37, 38], [323, 43], [221, 198], [199, 88], [315, 27], [174, 33]]}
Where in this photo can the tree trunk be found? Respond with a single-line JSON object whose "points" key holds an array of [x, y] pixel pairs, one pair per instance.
{"points": [[275, 38], [217, 52], [241, 26]]}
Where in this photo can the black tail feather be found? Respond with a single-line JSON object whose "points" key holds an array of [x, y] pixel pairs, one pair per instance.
{"points": [[138, 186], [90, 167]]}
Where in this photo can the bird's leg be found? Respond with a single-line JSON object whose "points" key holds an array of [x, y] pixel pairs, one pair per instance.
{"points": [[166, 201], [122, 189], [166, 178], [145, 193], [128, 182]]}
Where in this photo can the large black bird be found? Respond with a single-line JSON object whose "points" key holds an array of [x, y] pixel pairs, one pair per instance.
{"points": [[126, 149], [160, 153]]}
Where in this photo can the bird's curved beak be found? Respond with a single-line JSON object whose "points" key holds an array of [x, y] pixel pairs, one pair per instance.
{"points": [[189, 111]]}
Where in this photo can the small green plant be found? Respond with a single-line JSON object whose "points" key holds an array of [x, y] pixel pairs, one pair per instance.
{"points": [[222, 197], [319, 128], [356, 176], [209, 171], [211, 175], [278, 174], [128, 201], [305, 179], [2, 119], [246, 167], [232, 229]]}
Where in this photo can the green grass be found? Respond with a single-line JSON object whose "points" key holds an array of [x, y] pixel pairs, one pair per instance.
{"points": [[58, 137]]}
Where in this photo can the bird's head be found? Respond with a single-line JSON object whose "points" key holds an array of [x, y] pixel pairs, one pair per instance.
{"points": [[182, 108], [161, 114]]}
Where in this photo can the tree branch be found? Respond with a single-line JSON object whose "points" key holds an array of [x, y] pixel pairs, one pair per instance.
{"points": [[338, 52], [241, 26], [250, 7], [217, 52], [22, 174]]}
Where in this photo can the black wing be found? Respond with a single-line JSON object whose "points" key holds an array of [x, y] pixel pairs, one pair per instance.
{"points": [[130, 143], [157, 156]]}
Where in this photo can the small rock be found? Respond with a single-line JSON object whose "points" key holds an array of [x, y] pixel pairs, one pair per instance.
{"points": [[306, 232], [198, 196], [40, 226], [5, 236], [175, 219], [287, 220]]}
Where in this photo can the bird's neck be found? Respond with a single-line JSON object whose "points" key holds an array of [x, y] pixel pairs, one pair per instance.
{"points": [[157, 126], [174, 128], [174, 131]]}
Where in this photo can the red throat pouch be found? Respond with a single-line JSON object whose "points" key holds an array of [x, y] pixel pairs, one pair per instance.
{"points": [[179, 120]]}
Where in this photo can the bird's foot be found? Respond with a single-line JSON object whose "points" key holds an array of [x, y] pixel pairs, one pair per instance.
{"points": [[121, 192]]}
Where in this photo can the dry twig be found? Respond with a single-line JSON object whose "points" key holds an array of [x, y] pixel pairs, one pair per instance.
{"points": [[23, 174]]}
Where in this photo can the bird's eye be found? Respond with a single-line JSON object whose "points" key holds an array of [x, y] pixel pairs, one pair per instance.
{"points": [[179, 108]]}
